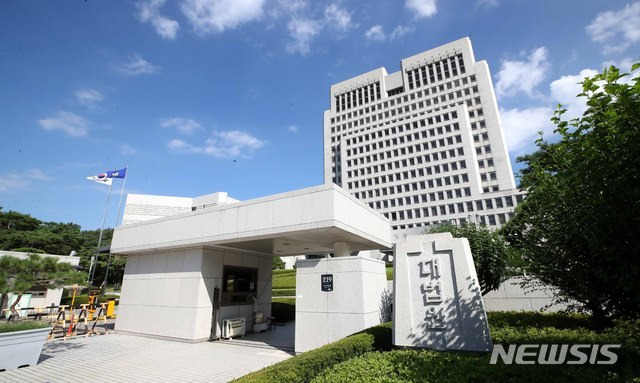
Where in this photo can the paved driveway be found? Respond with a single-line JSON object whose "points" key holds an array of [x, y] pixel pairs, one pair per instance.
{"points": [[127, 358]]}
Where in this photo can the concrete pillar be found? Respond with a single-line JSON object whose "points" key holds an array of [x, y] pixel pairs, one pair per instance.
{"points": [[341, 249]]}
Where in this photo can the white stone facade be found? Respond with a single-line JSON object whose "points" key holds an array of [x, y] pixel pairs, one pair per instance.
{"points": [[437, 298], [174, 264], [354, 303], [170, 293], [423, 145]]}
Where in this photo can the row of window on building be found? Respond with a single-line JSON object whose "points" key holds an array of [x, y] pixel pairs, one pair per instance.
{"points": [[358, 97], [413, 107], [410, 97], [483, 220], [428, 74]]}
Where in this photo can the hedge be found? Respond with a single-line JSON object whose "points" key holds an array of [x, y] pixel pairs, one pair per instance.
{"points": [[84, 299], [306, 366], [283, 292], [283, 309], [506, 328]]}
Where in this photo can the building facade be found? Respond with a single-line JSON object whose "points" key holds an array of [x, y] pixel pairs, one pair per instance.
{"points": [[423, 145], [145, 207]]}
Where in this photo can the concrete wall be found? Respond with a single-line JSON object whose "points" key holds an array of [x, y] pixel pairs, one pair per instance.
{"points": [[170, 293], [511, 296], [353, 305]]}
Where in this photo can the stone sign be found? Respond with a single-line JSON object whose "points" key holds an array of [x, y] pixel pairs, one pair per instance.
{"points": [[437, 298]]}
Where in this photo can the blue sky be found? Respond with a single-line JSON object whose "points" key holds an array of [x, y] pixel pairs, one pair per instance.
{"points": [[198, 96]]}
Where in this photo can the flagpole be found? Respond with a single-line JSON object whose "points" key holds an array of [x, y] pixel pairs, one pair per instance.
{"points": [[124, 181], [106, 274], [104, 218]]}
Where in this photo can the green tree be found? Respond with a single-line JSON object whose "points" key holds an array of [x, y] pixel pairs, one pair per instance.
{"points": [[278, 264], [19, 275], [21, 232], [490, 252], [579, 224]]}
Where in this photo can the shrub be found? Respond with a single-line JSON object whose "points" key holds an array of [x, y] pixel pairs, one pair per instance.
{"points": [[444, 367], [31, 250], [306, 366], [283, 292], [283, 309], [506, 328], [498, 319]]}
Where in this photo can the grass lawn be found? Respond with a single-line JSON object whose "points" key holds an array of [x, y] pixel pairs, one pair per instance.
{"points": [[284, 279], [369, 357], [21, 325]]}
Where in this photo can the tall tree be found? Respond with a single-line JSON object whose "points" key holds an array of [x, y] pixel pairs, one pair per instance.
{"points": [[19, 275], [490, 252], [580, 222]]}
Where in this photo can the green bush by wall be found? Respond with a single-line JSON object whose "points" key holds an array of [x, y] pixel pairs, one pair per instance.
{"points": [[283, 309], [304, 367], [358, 358], [506, 328], [283, 292]]}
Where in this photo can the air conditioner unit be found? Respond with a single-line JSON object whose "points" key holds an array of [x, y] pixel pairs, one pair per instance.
{"points": [[233, 327]]}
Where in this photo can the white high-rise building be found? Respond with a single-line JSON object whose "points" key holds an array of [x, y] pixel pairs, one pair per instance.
{"points": [[423, 145]]}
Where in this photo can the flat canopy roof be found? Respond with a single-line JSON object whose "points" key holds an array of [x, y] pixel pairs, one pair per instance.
{"points": [[304, 221]]}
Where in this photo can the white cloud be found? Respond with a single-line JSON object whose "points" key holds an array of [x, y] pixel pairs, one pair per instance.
{"points": [[565, 90], [616, 30], [489, 3], [137, 66], [377, 33], [69, 123], [522, 76], [421, 8], [149, 12], [302, 31], [88, 97], [37, 174], [292, 6], [227, 144], [399, 32], [293, 129], [521, 127], [127, 149], [214, 16], [11, 182], [183, 125], [337, 17]]}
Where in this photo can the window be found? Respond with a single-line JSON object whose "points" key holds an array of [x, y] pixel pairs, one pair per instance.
{"points": [[239, 284]]}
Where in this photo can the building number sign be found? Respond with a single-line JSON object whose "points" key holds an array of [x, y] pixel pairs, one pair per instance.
{"points": [[327, 282]]}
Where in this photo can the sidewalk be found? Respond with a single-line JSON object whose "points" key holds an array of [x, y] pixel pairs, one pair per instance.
{"points": [[128, 358]]}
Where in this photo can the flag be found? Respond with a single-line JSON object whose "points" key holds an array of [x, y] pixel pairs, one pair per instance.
{"points": [[117, 173], [101, 178]]}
